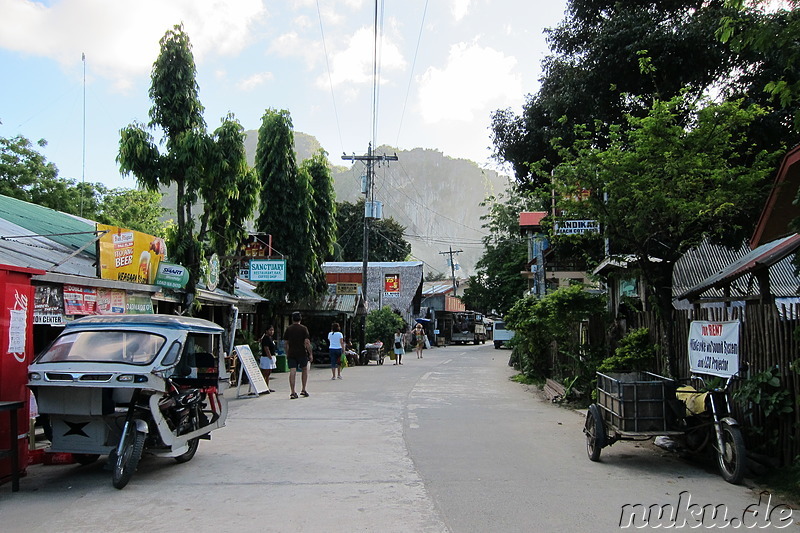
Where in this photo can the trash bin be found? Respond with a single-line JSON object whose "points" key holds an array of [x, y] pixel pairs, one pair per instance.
{"points": [[281, 364]]}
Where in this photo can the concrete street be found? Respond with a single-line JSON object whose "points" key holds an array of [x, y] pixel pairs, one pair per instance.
{"points": [[443, 443]]}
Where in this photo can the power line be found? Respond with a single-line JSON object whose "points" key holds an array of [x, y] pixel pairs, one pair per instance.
{"points": [[330, 78], [411, 74]]}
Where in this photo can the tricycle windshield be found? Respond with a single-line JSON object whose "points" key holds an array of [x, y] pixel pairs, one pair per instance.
{"points": [[106, 346]]}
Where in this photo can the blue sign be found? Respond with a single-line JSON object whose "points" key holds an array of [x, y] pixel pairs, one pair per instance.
{"points": [[267, 270]]}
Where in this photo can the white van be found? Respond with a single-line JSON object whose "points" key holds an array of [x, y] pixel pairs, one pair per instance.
{"points": [[501, 335]]}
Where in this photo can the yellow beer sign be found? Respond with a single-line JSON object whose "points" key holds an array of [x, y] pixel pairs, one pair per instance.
{"points": [[128, 255]]}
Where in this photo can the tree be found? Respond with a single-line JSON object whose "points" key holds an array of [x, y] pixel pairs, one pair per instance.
{"points": [[382, 324], [612, 59], [230, 191], [497, 283], [684, 172], [323, 212], [22, 167], [771, 33], [178, 112], [135, 209], [386, 242], [286, 209], [435, 276]]}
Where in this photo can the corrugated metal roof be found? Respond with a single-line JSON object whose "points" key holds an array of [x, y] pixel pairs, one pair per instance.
{"points": [[707, 268], [434, 288], [246, 292], [350, 265], [42, 252], [75, 232]]}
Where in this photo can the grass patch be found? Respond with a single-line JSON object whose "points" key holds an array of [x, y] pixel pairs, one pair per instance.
{"points": [[522, 378]]}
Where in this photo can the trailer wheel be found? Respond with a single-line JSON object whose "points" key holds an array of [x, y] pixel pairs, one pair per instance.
{"points": [[595, 433]]}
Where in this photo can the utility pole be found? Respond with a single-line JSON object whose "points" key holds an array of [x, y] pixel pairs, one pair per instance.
{"points": [[369, 210], [452, 265]]}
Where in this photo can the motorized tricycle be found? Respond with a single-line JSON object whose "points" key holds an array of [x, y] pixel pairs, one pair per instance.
{"points": [[123, 385], [642, 405]]}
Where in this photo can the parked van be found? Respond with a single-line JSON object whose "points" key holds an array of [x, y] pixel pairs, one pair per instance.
{"points": [[501, 335]]}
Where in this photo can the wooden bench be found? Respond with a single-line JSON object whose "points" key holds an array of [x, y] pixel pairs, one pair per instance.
{"points": [[553, 390]]}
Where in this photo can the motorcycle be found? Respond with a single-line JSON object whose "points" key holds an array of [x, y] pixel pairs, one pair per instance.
{"points": [[127, 385]]}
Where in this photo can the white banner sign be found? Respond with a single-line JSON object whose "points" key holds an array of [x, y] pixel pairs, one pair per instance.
{"points": [[714, 348]]}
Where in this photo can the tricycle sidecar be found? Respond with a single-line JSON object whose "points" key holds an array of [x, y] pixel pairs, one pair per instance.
{"points": [[120, 385]]}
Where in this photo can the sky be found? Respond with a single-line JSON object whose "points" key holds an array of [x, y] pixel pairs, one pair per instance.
{"points": [[444, 67]]}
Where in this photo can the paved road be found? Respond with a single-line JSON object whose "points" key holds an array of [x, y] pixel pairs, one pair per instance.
{"points": [[445, 443]]}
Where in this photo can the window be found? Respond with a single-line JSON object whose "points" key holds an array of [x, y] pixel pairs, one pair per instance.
{"points": [[130, 347]]}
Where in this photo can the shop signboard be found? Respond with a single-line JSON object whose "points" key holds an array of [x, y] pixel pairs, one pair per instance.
{"points": [[138, 303], [171, 275], [576, 227], [391, 286], [111, 301], [128, 255], [79, 300], [347, 288], [48, 304], [268, 270]]}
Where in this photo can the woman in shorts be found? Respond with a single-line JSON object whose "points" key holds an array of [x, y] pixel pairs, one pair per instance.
{"points": [[336, 345], [268, 358]]}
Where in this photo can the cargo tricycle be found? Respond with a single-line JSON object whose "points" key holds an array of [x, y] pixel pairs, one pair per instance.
{"points": [[642, 405], [125, 385]]}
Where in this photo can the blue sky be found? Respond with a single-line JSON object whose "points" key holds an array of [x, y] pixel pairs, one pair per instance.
{"points": [[445, 65]]}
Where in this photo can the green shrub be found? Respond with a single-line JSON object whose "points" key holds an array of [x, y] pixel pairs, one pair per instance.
{"points": [[634, 353], [382, 324]]}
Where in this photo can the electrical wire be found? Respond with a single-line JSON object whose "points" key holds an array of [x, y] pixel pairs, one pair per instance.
{"points": [[411, 74], [330, 77]]}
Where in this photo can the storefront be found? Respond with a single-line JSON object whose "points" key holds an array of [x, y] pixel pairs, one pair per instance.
{"points": [[16, 352]]}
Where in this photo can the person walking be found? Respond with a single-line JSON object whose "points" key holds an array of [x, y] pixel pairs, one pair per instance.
{"points": [[298, 353], [268, 355], [419, 338], [336, 346], [398, 346]]}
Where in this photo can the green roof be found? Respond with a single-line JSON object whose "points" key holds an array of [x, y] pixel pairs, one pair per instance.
{"points": [[71, 231]]}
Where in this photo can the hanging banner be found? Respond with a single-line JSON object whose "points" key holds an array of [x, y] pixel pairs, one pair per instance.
{"points": [[128, 255], [79, 300], [48, 305], [391, 286], [714, 348]]}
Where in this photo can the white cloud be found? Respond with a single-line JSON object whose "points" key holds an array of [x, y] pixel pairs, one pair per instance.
{"points": [[460, 8], [353, 65], [251, 82], [291, 44], [120, 38], [475, 79]]}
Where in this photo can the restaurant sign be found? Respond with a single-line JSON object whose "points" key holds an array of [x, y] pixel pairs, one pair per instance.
{"points": [[268, 270]]}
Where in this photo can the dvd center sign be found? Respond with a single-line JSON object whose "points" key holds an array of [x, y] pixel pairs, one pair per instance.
{"points": [[268, 270]]}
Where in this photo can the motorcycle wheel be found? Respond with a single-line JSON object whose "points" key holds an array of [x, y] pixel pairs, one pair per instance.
{"points": [[595, 433], [731, 458], [193, 443], [126, 463]]}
